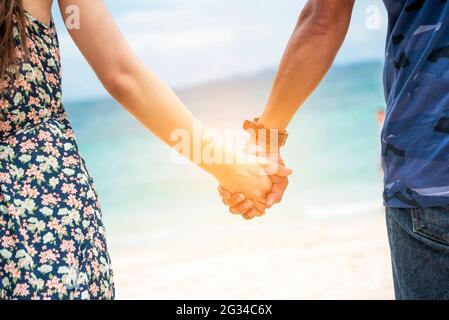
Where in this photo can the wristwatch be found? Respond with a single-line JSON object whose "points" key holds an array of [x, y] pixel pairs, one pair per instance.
{"points": [[267, 137]]}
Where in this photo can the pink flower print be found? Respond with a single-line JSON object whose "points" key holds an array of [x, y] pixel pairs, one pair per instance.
{"points": [[55, 283], [69, 134], [99, 244], [34, 101], [68, 188], [34, 172], [5, 126], [68, 246], [50, 77], [35, 58], [42, 153], [21, 290], [88, 211], [27, 145], [31, 250], [8, 241], [69, 161], [51, 149], [12, 141], [3, 104], [55, 54], [71, 260], [12, 269], [33, 116], [55, 105], [49, 199], [47, 256], [74, 202], [96, 267], [44, 136], [93, 289], [22, 83], [55, 225], [28, 191], [5, 177], [13, 211]]}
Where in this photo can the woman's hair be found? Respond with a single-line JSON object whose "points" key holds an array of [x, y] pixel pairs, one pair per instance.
{"points": [[12, 19]]}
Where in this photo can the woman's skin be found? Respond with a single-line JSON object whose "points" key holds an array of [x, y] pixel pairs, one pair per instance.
{"points": [[142, 93]]}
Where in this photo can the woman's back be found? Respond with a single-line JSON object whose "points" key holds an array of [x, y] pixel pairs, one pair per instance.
{"points": [[31, 91], [53, 243]]}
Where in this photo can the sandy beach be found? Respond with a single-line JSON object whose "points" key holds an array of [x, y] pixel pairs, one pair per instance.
{"points": [[273, 258], [170, 237]]}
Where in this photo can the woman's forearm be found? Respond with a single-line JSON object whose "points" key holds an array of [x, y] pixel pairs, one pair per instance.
{"points": [[160, 110], [152, 102], [126, 78]]}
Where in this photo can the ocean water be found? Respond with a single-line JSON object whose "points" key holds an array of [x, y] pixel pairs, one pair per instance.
{"points": [[333, 149]]}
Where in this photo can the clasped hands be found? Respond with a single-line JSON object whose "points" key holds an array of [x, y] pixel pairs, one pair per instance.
{"points": [[258, 188]]}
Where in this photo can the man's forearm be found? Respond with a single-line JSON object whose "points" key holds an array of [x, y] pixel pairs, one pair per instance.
{"points": [[317, 38]]}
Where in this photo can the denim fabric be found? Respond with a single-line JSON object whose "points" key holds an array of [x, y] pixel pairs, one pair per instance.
{"points": [[419, 243]]}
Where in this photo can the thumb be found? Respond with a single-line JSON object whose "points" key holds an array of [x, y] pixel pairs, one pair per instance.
{"points": [[274, 168]]}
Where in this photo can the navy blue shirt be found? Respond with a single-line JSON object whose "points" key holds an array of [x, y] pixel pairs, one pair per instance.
{"points": [[415, 137]]}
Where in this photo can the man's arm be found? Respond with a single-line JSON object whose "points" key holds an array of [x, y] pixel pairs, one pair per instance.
{"points": [[318, 36]]}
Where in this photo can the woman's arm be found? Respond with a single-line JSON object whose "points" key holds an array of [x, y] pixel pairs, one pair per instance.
{"points": [[143, 94]]}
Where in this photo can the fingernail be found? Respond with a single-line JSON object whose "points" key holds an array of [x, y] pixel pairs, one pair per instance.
{"points": [[240, 198]]}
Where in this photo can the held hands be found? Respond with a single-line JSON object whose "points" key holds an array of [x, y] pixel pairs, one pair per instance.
{"points": [[254, 202], [247, 177]]}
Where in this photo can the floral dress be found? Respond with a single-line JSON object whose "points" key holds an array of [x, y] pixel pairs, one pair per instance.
{"points": [[52, 239]]}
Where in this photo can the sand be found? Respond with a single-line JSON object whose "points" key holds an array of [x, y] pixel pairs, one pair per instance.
{"points": [[273, 258]]}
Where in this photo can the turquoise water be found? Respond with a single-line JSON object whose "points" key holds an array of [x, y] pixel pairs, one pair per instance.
{"points": [[333, 147]]}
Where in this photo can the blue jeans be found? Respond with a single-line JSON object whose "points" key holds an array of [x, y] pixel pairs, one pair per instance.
{"points": [[419, 243]]}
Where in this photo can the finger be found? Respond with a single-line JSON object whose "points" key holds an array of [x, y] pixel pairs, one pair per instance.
{"points": [[277, 193], [254, 213], [278, 179], [274, 168], [273, 198], [260, 206], [247, 217], [242, 208], [225, 194], [236, 199], [283, 171]]}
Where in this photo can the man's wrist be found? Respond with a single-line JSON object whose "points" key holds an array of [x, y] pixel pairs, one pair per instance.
{"points": [[263, 136]]}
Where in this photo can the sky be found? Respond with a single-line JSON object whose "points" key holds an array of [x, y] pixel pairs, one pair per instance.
{"points": [[192, 42]]}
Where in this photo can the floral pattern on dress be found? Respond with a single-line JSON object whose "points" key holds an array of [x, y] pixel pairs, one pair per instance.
{"points": [[52, 239]]}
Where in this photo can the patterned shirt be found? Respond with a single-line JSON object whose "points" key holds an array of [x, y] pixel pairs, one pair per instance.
{"points": [[415, 137]]}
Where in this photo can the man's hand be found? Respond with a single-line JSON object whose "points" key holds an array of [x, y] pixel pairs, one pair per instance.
{"points": [[249, 209]]}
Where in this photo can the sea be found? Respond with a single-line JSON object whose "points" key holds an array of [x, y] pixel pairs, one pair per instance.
{"points": [[333, 148]]}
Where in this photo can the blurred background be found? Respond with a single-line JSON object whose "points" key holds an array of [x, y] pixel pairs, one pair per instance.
{"points": [[169, 235]]}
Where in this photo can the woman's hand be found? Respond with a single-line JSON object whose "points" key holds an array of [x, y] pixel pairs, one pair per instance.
{"points": [[248, 179], [278, 174]]}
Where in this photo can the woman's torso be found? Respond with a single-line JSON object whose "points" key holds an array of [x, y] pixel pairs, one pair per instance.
{"points": [[54, 244], [32, 94]]}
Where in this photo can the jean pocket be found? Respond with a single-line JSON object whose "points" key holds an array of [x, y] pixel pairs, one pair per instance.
{"points": [[432, 223]]}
